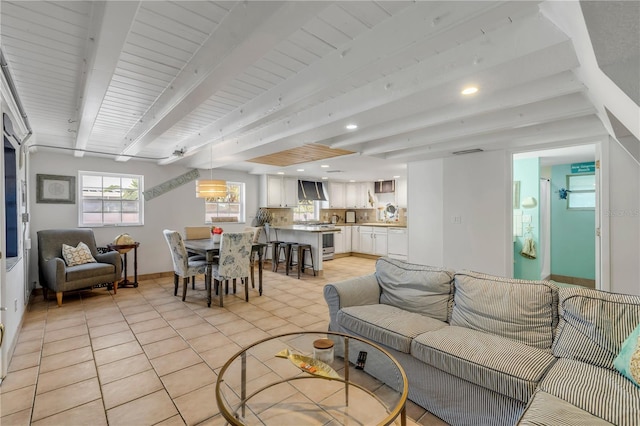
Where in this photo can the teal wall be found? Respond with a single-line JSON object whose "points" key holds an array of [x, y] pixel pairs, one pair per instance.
{"points": [[527, 171], [573, 240]]}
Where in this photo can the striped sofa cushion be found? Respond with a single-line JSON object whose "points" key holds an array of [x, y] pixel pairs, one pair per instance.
{"points": [[594, 324], [387, 325], [546, 409], [522, 310], [416, 288], [603, 393], [507, 367]]}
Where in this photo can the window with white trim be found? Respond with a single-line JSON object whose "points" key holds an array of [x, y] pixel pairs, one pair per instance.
{"points": [[582, 192], [110, 199], [230, 208]]}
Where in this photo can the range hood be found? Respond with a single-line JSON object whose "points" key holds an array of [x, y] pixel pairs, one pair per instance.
{"points": [[311, 191]]}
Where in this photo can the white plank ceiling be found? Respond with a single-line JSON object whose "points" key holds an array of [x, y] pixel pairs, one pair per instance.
{"points": [[225, 82]]}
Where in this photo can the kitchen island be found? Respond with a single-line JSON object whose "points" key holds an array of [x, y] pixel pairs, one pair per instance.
{"points": [[307, 234]]}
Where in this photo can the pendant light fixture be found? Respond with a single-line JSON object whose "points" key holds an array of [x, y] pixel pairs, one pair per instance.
{"points": [[211, 188]]}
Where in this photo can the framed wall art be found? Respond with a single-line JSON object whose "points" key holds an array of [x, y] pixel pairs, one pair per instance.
{"points": [[55, 189]]}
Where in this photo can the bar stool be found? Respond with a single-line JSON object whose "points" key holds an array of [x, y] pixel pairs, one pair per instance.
{"points": [[284, 249], [300, 250]]}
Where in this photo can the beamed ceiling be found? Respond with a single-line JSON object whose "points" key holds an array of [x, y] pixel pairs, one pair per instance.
{"points": [[241, 85]]}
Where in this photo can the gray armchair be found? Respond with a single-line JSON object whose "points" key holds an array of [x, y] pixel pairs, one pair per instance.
{"points": [[56, 276]]}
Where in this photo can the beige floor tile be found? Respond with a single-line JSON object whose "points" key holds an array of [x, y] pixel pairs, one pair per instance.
{"points": [[209, 341], [164, 347], [66, 376], [144, 316], [20, 362], [186, 321], [198, 330], [172, 421], [271, 322], [65, 323], [15, 401], [148, 410], [112, 318], [234, 327], [112, 340], [19, 379], [222, 318], [188, 379], [65, 345], [65, 359], [130, 388], [247, 337], [65, 333], [156, 335], [105, 329], [90, 414], [21, 418], [28, 347], [123, 368], [217, 357], [153, 324], [177, 313], [62, 399], [136, 309], [115, 353], [25, 336], [197, 406], [175, 361]]}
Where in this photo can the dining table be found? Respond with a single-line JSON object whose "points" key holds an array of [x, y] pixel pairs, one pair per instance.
{"points": [[209, 249]]}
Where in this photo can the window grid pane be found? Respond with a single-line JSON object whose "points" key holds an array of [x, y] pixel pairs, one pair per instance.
{"points": [[232, 205], [110, 199], [582, 192]]}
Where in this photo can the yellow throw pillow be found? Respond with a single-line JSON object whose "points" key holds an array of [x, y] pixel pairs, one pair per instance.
{"points": [[77, 255]]}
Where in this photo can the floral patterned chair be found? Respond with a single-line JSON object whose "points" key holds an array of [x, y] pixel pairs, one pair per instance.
{"points": [[234, 261], [183, 266]]}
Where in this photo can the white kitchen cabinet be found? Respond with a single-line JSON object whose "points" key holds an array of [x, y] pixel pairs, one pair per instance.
{"points": [[347, 239], [338, 240], [290, 192], [357, 195], [401, 193], [282, 192], [337, 195], [366, 239], [397, 243], [379, 241], [355, 239]]}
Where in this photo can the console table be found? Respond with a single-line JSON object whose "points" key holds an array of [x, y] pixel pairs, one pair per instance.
{"points": [[120, 249]]}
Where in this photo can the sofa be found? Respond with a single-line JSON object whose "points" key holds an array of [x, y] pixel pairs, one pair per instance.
{"points": [[487, 350]]}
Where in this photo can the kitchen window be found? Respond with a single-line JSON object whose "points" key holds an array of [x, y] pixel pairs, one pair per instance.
{"points": [[230, 208], [305, 211], [110, 199]]}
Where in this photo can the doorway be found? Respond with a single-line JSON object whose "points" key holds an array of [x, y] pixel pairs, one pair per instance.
{"points": [[555, 215]]}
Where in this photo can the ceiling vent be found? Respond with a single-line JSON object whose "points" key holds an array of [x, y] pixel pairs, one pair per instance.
{"points": [[335, 171], [467, 151]]}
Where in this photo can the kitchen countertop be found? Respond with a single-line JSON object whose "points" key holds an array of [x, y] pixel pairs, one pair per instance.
{"points": [[382, 224], [309, 228]]}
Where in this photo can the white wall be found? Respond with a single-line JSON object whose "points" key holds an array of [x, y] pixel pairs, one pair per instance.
{"points": [[624, 220], [477, 190], [474, 188], [173, 210], [425, 212]]}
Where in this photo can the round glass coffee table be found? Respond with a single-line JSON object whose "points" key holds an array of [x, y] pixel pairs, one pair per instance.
{"points": [[277, 381]]}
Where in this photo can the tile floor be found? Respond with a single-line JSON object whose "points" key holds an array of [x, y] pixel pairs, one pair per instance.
{"points": [[144, 357]]}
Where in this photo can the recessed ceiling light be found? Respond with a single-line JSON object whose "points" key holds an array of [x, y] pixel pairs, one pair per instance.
{"points": [[469, 90], [280, 173], [325, 166], [325, 177], [396, 177], [300, 170], [380, 180], [352, 181], [351, 126]]}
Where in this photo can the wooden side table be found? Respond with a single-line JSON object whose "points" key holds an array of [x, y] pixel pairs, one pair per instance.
{"points": [[118, 248]]}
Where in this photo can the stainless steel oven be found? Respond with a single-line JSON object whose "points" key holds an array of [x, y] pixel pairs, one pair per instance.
{"points": [[328, 248]]}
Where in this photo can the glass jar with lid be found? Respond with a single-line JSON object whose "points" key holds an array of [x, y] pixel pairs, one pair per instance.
{"points": [[323, 350]]}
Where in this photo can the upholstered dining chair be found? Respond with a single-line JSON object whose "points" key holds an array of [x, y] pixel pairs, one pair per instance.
{"points": [[183, 266], [234, 261], [257, 231], [196, 233]]}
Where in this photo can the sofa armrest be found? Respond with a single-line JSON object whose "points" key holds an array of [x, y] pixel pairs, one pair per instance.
{"points": [[54, 271], [352, 292], [112, 257]]}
